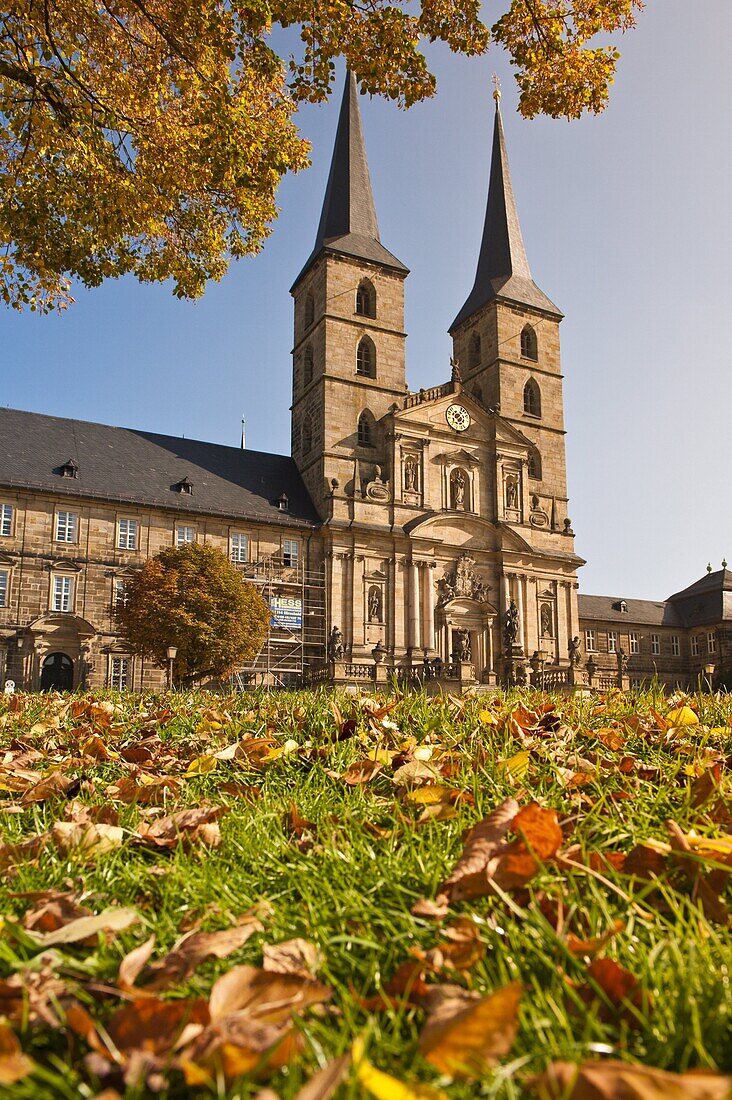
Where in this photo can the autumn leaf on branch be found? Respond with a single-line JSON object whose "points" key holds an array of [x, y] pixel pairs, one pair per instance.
{"points": [[149, 139]]}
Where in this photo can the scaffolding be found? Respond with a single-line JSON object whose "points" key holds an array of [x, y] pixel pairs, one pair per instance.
{"points": [[296, 640]]}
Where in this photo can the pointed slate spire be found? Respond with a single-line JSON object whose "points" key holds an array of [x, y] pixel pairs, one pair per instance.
{"points": [[348, 222], [503, 269]]}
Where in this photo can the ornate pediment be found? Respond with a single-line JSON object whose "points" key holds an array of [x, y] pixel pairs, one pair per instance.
{"points": [[458, 458], [462, 582]]}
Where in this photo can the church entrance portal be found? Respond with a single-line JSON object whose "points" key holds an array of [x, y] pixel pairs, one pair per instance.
{"points": [[57, 673]]}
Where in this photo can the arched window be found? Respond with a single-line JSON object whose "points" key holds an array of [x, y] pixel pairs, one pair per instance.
{"points": [[474, 350], [366, 358], [528, 343], [365, 430], [478, 393], [308, 366], [307, 436], [366, 299], [535, 465], [532, 398], [309, 310], [460, 490]]}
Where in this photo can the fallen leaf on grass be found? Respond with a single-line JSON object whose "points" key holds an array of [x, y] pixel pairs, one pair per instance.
{"points": [[292, 957], [466, 1041], [591, 946], [485, 842], [187, 827], [86, 839], [361, 771], [14, 1065], [385, 1087], [114, 919], [431, 910], [613, 1080], [624, 997], [194, 948], [31, 996], [147, 790]]}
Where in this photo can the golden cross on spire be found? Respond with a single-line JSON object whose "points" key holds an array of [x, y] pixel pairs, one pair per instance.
{"points": [[496, 88]]}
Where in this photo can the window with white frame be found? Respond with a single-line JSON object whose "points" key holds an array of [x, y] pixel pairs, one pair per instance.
{"points": [[290, 551], [635, 643], [4, 586], [612, 641], [239, 547], [184, 535], [695, 645], [67, 526], [655, 644], [590, 641], [127, 534], [119, 673], [711, 642], [675, 646], [120, 595], [6, 520], [62, 593]]}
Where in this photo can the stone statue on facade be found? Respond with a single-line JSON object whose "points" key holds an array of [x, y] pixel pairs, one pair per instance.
{"points": [[335, 645], [575, 651], [546, 621], [511, 494], [462, 581], [511, 626], [410, 475], [374, 604], [458, 489]]}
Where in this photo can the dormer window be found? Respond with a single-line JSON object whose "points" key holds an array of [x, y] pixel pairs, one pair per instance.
{"points": [[69, 469], [184, 486], [283, 502], [621, 606]]}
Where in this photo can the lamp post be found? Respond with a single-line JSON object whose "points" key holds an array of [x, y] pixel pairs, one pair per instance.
{"points": [[172, 654], [709, 671], [538, 661]]}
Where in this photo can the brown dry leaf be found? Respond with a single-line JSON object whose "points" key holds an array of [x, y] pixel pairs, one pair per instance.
{"points": [[296, 956], [323, 1084], [53, 785], [196, 947], [466, 1041], [541, 839], [154, 1026], [431, 910], [484, 844], [34, 995], [591, 946], [612, 739], [627, 1000], [114, 919], [86, 839], [57, 908], [262, 995], [14, 1065], [415, 773], [134, 963], [464, 947], [148, 791], [361, 771], [187, 827], [613, 1080]]}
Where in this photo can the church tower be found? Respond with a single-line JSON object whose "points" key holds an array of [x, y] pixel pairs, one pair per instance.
{"points": [[349, 353], [506, 339]]}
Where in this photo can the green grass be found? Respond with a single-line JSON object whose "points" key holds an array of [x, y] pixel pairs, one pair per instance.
{"points": [[351, 893]]}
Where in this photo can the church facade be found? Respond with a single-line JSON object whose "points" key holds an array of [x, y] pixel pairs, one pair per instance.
{"points": [[417, 534]]}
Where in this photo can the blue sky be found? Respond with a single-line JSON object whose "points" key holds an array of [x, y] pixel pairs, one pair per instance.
{"points": [[627, 226]]}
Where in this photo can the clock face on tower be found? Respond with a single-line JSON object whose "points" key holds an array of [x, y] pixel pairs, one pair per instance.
{"points": [[457, 417]]}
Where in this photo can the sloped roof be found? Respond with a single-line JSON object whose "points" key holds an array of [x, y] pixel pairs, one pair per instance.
{"points": [[704, 602], [503, 268], [122, 464], [641, 612], [348, 222]]}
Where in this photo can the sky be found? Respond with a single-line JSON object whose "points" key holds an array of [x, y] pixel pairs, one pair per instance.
{"points": [[626, 220]]}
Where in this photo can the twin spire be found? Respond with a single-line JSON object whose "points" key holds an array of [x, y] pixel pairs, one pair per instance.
{"points": [[348, 222]]}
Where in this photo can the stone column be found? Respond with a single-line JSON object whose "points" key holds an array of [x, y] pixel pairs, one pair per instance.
{"points": [[428, 624], [336, 592], [562, 589], [347, 627], [414, 616], [532, 623], [400, 607]]}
